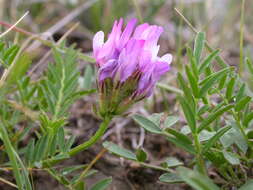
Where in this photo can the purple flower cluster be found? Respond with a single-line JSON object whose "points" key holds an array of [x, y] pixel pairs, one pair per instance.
{"points": [[131, 53]]}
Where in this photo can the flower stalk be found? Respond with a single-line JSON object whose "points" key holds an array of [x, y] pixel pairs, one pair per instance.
{"points": [[100, 132]]}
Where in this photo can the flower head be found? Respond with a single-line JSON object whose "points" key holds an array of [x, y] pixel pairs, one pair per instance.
{"points": [[128, 64]]}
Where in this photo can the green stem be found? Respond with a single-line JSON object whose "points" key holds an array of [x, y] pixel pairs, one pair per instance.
{"points": [[199, 159], [102, 128], [100, 132]]}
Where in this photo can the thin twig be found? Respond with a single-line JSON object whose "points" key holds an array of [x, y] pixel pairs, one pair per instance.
{"points": [[47, 42], [219, 59], [28, 112], [43, 59], [186, 21], [83, 174], [9, 69], [13, 26], [64, 21], [8, 182]]}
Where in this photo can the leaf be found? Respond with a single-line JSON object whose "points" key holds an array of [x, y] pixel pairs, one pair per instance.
{"points": [[198, 45], [69, 143], [170, 120], [215, 138], [193, 81], [185, 130], [81, 93], [147, 124], [61, 139], [213, 116], [80, 186], [216, 74], [59, 86], [102, 184], [70, 169], [86, 58], [59, 157], [115, 149], [186, 90], [141, 155], [208, 82], [250, 65], [19, 170], [188, 113], [52, 149], [196, 180], [208, 60], [240, 93], [18, 68], [242, 103], [170, 178], [205, 135], [248, 185], [203, 109], [156, 118], [29, 152], [169, 88], [186, 146], [222, 82], [216, 158], [178, 135], [90, 173], [237, 137], [41, 147], [230, 88], [231, 158], [8, 54], [193, 66], [248, 119], [173, 162], [88, 78], [219, 60]]}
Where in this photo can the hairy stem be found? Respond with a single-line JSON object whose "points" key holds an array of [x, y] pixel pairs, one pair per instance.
{"points": [[102, 128], [100, 132]]}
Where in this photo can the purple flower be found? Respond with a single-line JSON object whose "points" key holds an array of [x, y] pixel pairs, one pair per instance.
{"points": [[129, 61]]}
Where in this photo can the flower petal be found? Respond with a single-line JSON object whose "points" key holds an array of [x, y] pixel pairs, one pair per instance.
{"points": [[166, 58], [127, 33], [144, 60], [107, 70], [98, 42], [139, 30], [129, 60], [160, 69]]}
